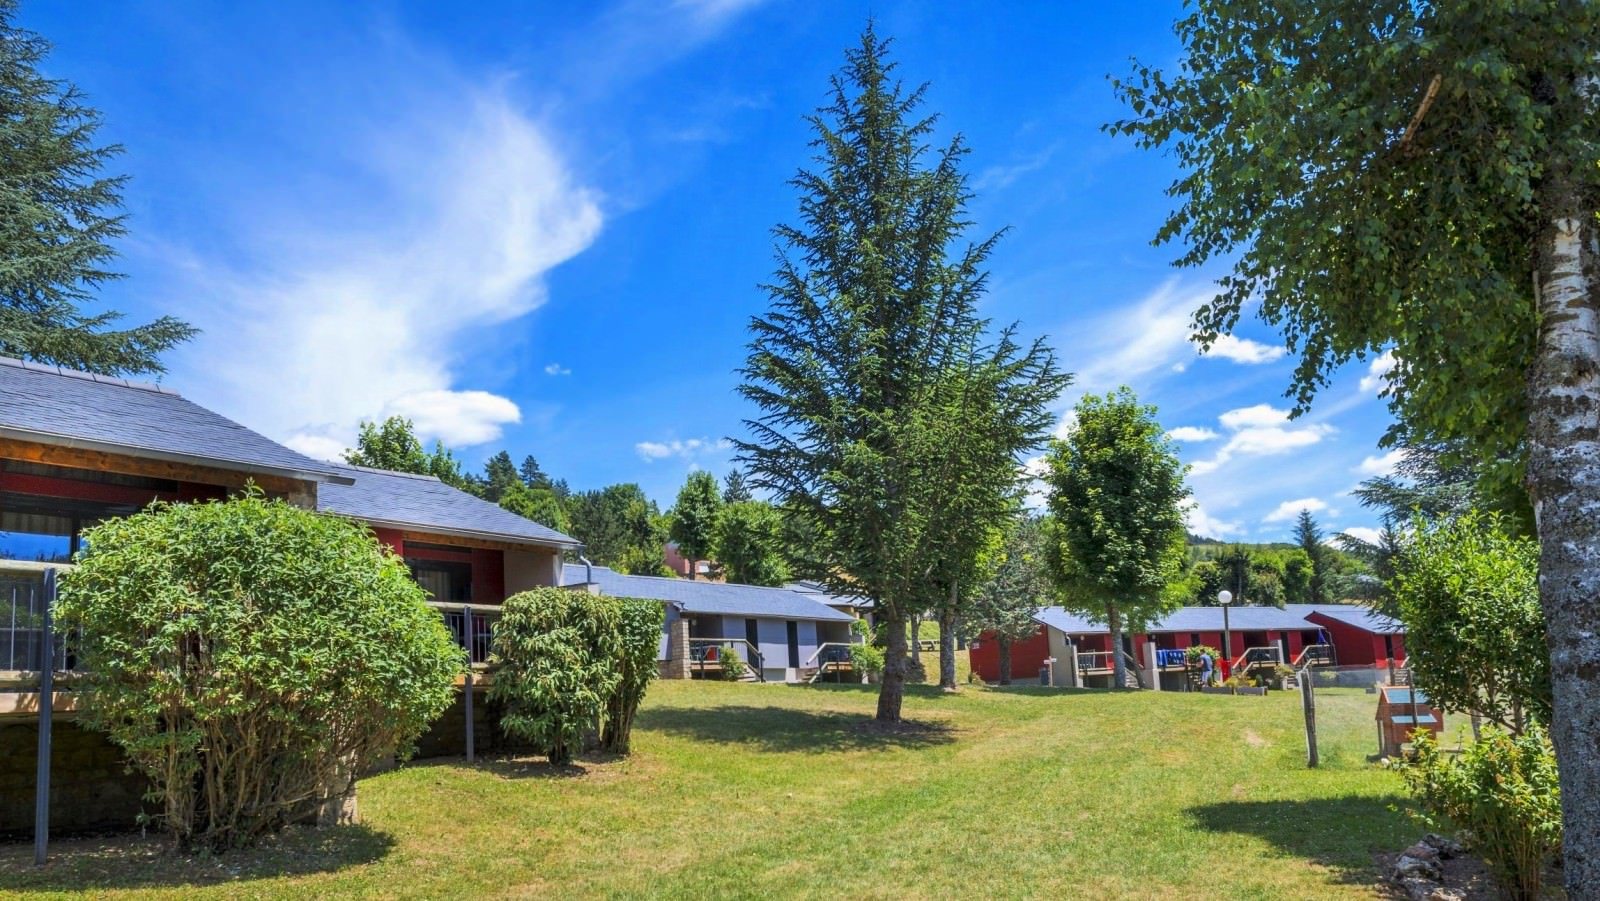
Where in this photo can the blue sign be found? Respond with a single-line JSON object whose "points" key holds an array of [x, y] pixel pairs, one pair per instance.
{"points": [[1172, 658]]}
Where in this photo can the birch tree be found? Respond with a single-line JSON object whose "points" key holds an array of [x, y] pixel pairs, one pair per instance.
{"points": [[1421, 179]]}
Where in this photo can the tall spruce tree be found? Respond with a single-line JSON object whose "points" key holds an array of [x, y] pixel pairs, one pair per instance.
{"points": [[734, 489], [873, 335], [58, 218], [532, 475], [499, 474], [1116, 547], [1004, 606], [1421, 176], [1309, 536], [694, 517]]}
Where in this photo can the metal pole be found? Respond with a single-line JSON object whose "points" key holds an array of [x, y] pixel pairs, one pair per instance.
{"points": [[466, 639], [1227, 641], [47, 687]]}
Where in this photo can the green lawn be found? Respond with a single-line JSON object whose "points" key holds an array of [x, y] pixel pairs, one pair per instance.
{"points": [[740, 790]]}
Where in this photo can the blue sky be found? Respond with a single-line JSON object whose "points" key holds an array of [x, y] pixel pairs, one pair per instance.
{"points": [[543, 226]]}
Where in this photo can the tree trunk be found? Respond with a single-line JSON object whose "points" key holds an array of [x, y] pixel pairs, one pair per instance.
{"points": [[1005, 661], [947, 645], [1564, 481], [893, 690], [916, 638], [1119, 667]]}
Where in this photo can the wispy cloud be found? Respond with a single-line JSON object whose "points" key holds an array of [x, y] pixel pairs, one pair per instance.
{"points": [[1378, 371], [1199, 522], [1365, 533], [1244, 350], [651, 451], [1373, 467], [1260, 431], [1138, 339], [1192, 433], [556, 369], [465, 205], [1289, 510], [1004, 175]]}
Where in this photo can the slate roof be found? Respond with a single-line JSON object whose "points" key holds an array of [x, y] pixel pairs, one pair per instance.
{"points": [[1240, 619], [713, 598], [408, 501], [51, 405], [818, 592], [1361, 618]]}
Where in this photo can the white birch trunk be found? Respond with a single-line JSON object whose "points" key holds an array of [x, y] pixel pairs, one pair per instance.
{"points": [[1564, 480]]}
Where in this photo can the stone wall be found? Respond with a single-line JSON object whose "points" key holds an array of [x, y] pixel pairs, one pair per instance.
{"points": [[90, 789], [447, 735]]}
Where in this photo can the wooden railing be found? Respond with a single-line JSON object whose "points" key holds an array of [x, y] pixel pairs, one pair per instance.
{"points": [[1256, 657], [1094, 661], [1314, 655]]}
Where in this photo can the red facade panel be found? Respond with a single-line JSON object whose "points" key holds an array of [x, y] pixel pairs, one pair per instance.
{"points": [[1027, 656]]}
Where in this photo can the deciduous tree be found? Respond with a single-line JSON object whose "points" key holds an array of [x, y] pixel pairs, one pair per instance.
{"points": [[748, 543], [873, 330], [1421, 177], [394, 445], [694, 517], [1116, 543]]}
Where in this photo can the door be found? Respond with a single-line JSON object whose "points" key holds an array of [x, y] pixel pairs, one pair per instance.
{"points": [[1283, 647], [752, 634], [794, 644]]}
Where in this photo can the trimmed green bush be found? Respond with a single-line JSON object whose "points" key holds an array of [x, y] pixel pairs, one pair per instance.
{"points": [[733, 668], [1502, 794], [555, 659], [639, 644], [868, 659], [251, 658]]}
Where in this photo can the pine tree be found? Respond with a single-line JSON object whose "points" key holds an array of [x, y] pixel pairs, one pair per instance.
{"points": [[1005, 605], [532, 475], [871, 344], [58, 218], [499, 474], [734, 489], [694, 517], [1309, 537]]}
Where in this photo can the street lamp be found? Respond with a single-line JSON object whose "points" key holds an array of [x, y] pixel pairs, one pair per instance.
{"points": [[1225, 597]]}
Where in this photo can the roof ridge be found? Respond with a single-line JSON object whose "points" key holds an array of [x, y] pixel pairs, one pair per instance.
{"points": [[65, 372], [393, 472]]}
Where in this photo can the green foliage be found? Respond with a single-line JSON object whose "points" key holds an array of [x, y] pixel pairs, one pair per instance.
{"points": [[734, 487], [733, 668], [1006, 603], [1309, 536], [251, 658], [619, 527], [538, 504], [892, 422], [1351, 227], [61, 218], [500, 475], [1194, 652], [532, 476], [394, 445], [748, 542], [556, 654], [639, 625], [1469, 595], [1502, 793], [1116, 542], [694, 517], [867, 659]]}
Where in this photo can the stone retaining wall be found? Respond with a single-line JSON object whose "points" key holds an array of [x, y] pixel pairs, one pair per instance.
{"points": [[90, 788]]}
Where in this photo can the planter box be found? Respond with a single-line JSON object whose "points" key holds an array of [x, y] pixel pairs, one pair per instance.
{"points": [[1258, 692], [1215, 690]]}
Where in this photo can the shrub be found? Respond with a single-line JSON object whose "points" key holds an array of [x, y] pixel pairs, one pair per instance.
{"points": [[1502, 794], [732, 665], [867, 659], [251, 658], [555, 656], [1468, 592], [638, 645], [1192, 655]]}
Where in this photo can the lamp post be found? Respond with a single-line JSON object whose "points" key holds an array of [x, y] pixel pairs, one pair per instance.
{"points": [[1225, 597]]}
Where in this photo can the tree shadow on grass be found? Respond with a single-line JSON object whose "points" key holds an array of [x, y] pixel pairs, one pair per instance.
{"points": [[787, 729], [1342, 834], [95, 865], [519, 764]]}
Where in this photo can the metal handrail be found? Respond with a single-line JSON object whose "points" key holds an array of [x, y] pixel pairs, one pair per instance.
{"points": [[753, 654], [1322, 651], [827, 644], [1256, 655], [476, 638]]}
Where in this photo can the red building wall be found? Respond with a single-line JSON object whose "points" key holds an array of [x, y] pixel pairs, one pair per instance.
{"points": [[1355, 646], [1027, 656]]}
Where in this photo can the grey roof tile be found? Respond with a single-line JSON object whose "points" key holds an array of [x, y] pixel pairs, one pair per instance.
{"points": [[426, 504], [712, 598], [60, 406], [1240, 619]]}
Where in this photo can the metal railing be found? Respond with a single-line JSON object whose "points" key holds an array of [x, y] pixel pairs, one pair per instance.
{"points": [[1314, 655], [479, 642], [22, 608], [830, 656], [1254, 657], [705, 651]]}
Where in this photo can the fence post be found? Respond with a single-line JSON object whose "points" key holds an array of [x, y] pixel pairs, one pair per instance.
{"points": [[466, 640], [1308, 702], [47, 689]]}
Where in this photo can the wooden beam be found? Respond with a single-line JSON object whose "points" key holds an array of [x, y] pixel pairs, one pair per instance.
{"points": [[100, 461], [459, 541]]}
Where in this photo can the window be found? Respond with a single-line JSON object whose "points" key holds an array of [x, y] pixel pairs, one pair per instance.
{"points": [[46, 530], [442, 580]]}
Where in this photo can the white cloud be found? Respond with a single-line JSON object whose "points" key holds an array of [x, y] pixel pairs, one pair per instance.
{"points": [[1003, 176], [1192, 433], [1365, 533], [1377, 370], [1149, 335], [686, 449], [1381, 466], [317, 447], [556, 369], [1203, 524], [1291, 509], [366, 303], [1260, 431], [1244, 350]]}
